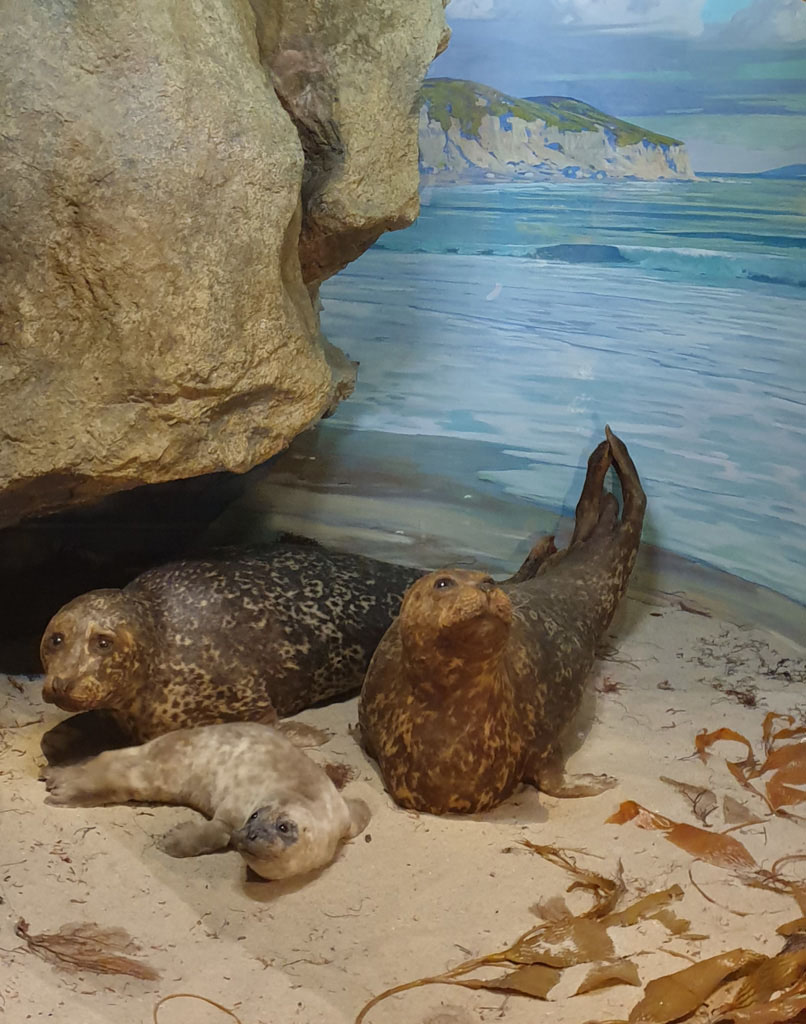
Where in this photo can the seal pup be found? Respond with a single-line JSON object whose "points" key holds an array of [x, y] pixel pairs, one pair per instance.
{"points": [[248, 635], [471, 687], [262, 795]]}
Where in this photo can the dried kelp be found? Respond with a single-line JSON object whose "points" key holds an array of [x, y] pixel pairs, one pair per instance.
{"points": [[740, 986], [735, 813], [535, 980], [786, 761], [619, 972], [703, 802], [340, 773], [88, 947], [676, 996], [606, 892], [192, 995], [715, 848], [566, 940]]}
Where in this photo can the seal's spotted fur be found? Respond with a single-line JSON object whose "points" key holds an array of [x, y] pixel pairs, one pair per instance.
{"points": [[471, 687], [241, 637], [262, 795]]}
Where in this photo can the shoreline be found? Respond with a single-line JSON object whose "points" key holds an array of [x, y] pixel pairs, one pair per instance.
{"points": [[331, 487]]}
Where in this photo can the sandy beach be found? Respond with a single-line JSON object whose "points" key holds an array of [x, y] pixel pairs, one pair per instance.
{"points": [[415, 895]]}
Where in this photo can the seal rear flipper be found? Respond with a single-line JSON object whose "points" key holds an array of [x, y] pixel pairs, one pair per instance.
{"points": [[589, 506], [191, 838], [632, 492], [608, 516]]}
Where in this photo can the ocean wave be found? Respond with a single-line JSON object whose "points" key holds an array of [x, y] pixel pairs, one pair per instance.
{"points": [[685, 263]]}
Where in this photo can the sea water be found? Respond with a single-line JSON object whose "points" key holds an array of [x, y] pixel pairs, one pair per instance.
{"points": [[525, 317]]}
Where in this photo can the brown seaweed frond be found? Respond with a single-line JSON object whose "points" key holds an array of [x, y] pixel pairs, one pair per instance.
{"points": [[605, 891], [192, 995], [88, 947], [541, 953], [340, 773]]}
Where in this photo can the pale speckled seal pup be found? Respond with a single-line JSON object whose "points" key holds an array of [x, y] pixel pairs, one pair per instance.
{"points": [[263, 796], [243, 636], [472, 685]]}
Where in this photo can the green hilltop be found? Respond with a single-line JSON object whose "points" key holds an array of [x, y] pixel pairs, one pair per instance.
{"points": [[468, 102]]}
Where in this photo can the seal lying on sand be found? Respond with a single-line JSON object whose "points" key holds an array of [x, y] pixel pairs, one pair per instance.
{"points": [[243, 636], [472, 685], [263, 796]]}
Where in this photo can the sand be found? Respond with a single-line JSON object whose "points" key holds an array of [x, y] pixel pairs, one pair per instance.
{"points": [[415, 894]]}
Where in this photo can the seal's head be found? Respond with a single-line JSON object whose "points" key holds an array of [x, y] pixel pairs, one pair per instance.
{"points": [[92, 651], [287, 838], [456, 617]]}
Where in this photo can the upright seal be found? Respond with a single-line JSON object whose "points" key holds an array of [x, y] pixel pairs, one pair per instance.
{"points": [[472, 685], [262, 795], [244, 636]]}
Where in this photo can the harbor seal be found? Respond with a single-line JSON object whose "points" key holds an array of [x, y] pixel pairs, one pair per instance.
{"points": [[471, 687], [262, 795], [247, 635]]}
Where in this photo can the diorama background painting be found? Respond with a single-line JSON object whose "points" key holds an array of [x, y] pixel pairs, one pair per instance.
{"points": [[531, 303]]}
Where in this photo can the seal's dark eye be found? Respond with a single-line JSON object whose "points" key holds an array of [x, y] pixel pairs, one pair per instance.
{"points": [[102, 642], [56, 639], [282, 827], [253, 817], [443, 582]]}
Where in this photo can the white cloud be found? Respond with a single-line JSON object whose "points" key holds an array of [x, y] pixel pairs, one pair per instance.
{"points": [[767, 23], [647, 17], [762, 23], [471, 9]]}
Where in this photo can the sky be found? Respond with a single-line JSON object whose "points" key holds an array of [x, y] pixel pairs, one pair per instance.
{"points": [[728, 77]]}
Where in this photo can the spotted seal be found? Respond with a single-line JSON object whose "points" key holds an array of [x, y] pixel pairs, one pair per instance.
{"points": [[262, 795], [471, 687], [246, 635]]}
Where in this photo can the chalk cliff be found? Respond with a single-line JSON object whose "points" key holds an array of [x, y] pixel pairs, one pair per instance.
{"points": [[473, 133]]}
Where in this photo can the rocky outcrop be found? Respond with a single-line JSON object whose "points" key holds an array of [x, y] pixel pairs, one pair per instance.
{"points": [[178, 177], [348, 74], [472, 133]]}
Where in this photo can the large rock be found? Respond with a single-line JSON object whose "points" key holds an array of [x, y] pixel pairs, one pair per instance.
{"points": [[154, 317], [349, 73]]}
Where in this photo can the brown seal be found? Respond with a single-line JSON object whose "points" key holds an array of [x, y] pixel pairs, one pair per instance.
{"points": [[244, 636], [262, 795], [472, 685]]}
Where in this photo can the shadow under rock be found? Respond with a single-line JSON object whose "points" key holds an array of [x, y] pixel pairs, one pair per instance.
{"points": [[49, 561]]}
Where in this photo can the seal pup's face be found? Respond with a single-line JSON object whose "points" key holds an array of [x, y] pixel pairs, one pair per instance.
{"points": [[282, 840], [90, 652], [455, 616]]}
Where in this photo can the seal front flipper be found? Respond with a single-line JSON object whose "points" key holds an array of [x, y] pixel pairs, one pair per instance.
{"points": [[550, 778], [360, 815], [191, 838], [541, 552], [84, 735]]}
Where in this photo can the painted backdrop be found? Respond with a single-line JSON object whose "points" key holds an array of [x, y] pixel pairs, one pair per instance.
{"points": [[612, 230]]}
